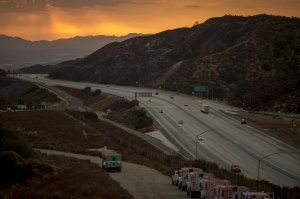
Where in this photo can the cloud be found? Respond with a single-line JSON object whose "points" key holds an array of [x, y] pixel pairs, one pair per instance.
{"points": [[192, 6], [257, 4], [12, 6], [85, 3]]}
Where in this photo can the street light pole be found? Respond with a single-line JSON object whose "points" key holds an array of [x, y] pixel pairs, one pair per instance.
{"points": [[198, 138], [258, 169]]}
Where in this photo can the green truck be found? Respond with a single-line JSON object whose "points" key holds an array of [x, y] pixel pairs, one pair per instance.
{"points": [[111, 161]]}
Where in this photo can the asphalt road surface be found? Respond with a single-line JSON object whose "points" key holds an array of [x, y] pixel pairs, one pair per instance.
{"points": [[226, 140], [142, 182]]}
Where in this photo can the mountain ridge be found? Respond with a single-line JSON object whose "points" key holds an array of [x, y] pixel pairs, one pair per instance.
{"points": [[236, 57], [19, 51]]}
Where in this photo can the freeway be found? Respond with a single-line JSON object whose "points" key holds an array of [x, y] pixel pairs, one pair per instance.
{"points": [[226, 141]]}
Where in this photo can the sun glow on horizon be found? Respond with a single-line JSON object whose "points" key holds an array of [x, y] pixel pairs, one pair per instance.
{"points": [[50, 20]]}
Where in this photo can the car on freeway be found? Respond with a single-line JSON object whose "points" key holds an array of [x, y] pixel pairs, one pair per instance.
{"points": [[243, 121], [235, 168], [150, 100], [180, 122], [200, 137], [161, 111], [171, 97]]}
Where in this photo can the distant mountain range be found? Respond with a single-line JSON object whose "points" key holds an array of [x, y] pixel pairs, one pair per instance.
{"points": [[252, 62], [15, 51]]}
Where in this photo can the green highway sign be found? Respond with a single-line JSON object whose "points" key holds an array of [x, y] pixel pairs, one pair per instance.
{"points": [[199, 88]]}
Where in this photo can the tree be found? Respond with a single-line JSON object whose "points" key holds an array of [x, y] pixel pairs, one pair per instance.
{"points": [[97, 92], [87, 89]]}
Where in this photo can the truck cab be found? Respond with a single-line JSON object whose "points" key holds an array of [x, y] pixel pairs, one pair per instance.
{"points": [[194, 183], [112, 161]]}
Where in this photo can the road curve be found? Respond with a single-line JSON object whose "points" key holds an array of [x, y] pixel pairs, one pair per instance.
{"points": [[140, 181]]}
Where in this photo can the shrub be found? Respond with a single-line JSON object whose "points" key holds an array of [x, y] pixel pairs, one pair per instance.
{"points": [[10, 141], [87, 89], [12, 169], [142, 119], [91, 116], [97, 92], [135, 102]]}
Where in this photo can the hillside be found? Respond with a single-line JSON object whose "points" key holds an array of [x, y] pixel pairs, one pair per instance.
{"points": [[39, 68], [20, 52], [252, 62]]}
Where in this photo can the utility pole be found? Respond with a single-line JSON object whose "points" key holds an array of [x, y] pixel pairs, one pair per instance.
{"points": [[258, 169]]}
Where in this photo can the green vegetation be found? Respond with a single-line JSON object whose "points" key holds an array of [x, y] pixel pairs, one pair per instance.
{"points": [[97, 92], [87, 89], [143, 120], [128, 112], [10, 141], [91, 116], [122, 104]]}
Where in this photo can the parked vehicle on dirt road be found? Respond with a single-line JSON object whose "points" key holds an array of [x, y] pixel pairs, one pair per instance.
{"points": [[229, 191], [193, 187], [184, 172], [111, 160], [175, 178], [182, 177]]}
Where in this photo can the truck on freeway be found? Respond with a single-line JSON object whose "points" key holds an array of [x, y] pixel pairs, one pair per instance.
{"points": [[205, 108]]}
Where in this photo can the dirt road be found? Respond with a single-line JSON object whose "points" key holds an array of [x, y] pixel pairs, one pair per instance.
{"points": [[141, 181]]}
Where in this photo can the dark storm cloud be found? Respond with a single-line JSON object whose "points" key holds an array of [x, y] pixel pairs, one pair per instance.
{"points": [[11, 6], [84, 3], [261, 3]]}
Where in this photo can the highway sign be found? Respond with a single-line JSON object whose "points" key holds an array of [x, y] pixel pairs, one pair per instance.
{"points": [[199, 88]]}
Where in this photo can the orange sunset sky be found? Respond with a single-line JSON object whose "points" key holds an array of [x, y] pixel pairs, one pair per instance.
{"points": [[54, 19]]}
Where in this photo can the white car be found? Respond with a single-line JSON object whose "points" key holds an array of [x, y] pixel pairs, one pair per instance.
{"points": [[200, 137]]}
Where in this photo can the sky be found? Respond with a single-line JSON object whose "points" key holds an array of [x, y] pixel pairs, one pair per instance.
{"points": [[54, 19]]}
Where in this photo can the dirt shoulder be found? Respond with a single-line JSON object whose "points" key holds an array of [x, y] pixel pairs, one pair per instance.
{"points": [[285, 128]]}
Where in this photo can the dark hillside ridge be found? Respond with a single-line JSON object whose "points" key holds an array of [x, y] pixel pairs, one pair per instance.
{"points": [[252, 62], [45, 69], [17, 51]]}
